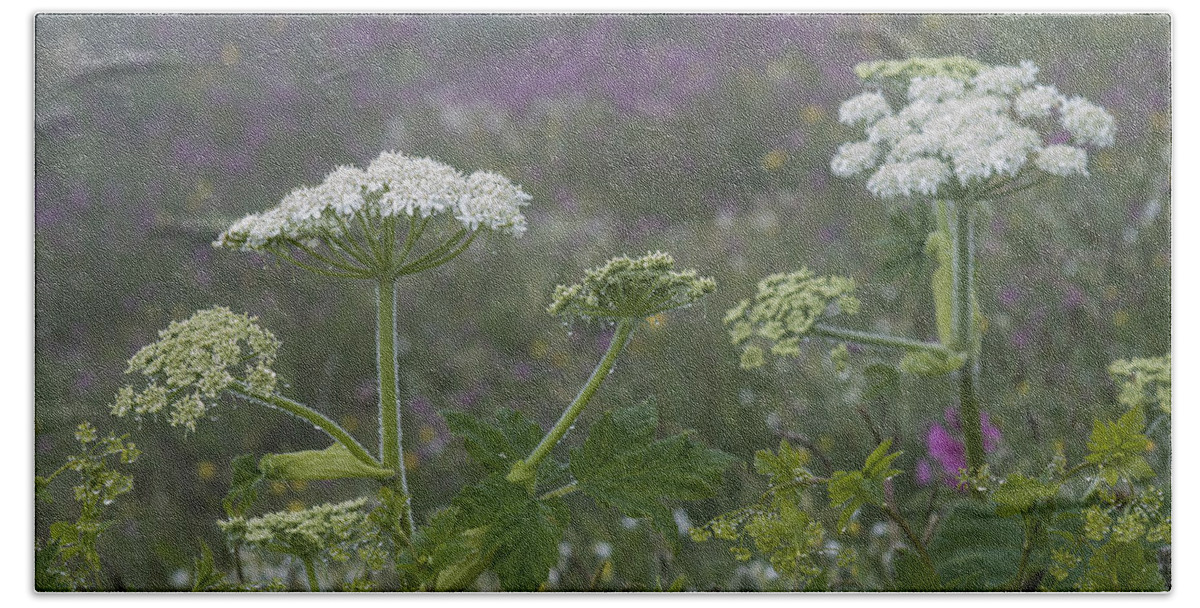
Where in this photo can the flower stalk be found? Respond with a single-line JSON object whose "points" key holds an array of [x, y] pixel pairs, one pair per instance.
{"points": [[391, 435], [967, 328], [524, 472]]}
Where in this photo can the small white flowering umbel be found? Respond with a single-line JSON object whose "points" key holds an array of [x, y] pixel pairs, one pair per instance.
{"points": [[625, 290], [630, 288], [196, 360], [334, 530], [963, 128]]}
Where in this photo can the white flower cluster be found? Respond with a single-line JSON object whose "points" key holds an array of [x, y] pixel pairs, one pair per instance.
{"points": [[392, 185], [966, 126], [631, 288], [195, 360], [333, 528]]}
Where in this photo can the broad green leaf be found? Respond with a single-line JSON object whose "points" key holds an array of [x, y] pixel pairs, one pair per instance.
{"points": [[518, 533], [1019, 494], [1118, 447], [622, 466], [495, 444], [334, 462], [974, 549]]}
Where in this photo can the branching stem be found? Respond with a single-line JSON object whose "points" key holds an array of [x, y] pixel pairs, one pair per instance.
{"points": [[303, 412], [525, 471]]}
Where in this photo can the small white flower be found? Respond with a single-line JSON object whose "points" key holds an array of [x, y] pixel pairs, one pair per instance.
{"points": [[1005, 79], [1087, 122], [489, 199], [921, 176], [1037, 102], [1062, 160], [888, 130], [865, 108], [853, 158], [934, 88]]}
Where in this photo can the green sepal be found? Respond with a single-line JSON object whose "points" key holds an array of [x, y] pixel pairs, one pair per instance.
{"points": [[334, 462]]}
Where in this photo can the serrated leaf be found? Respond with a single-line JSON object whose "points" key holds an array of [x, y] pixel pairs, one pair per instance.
{"points": [[519, 534], [620, 465], [850, 490], [334, 462], [1118, 447], [1019, 494], [498, 443], [243, 490]]}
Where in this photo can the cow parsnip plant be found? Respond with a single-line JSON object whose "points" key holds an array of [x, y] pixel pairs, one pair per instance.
{"points": [[401, 216], [957, 135]]}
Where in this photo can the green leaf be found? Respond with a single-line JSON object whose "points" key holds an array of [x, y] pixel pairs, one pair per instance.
{"points": [[243, 491], [1019, 494], [498, 443], [1122, 566], [518, 532], [850, 490], [976, 550], [334, 462], [1118, 447], [205, 575], [621, 465]]}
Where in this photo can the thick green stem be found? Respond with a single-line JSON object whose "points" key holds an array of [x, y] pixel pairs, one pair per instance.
{"points": [[311, 571], [884, 340], [525, 471], [968, 332], [310, 415], [391, 440]]}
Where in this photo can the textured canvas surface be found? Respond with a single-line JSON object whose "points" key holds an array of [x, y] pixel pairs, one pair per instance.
{"points": [[603, 302]]}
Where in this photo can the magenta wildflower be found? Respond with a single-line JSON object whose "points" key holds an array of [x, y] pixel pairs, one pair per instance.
{"points": [[948, 450]]}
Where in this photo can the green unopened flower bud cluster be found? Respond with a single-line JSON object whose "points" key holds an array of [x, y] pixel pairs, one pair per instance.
{"points": [[194, 360], [783, 312], [332, 529], [630, 288], [1143, 381]]}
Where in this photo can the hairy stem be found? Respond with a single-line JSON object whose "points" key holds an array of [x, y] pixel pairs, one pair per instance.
{"points": [[391, 440], [884, 340], [310, 570], [562, 491], [524, 471], [968, 332], [310, 415]]}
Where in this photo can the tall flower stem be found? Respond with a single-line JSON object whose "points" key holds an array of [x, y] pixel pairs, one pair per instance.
{"points": [[391, 440], [966, 215], [525, 471], [310, 570]]}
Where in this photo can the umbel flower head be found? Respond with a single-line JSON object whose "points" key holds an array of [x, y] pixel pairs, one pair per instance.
{"points": [[783, 312], [193, 361], [962, 124], [348, 225], [335, 529], [1143, 382], [630, 288]]}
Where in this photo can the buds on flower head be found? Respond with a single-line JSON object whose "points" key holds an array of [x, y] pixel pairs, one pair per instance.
{"points": [[194, 361], [783, 312], [965, 122], [333, 528], [630, 288]]}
